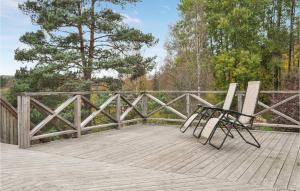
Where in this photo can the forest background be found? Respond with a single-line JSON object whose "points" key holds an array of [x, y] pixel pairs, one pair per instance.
{"points": [[213, 43]]}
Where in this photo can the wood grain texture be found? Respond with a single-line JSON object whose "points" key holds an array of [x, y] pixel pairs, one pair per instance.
{"points": [[24, 121], [144, 157], [8, 123]]}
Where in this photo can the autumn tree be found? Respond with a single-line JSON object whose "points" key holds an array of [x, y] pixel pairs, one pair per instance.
{"points": [[239, 41], [186, 47]]}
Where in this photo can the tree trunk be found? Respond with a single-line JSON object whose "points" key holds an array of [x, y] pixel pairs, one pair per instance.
{"points": [[291, 43], [279, 13], [81, 39], [87, 74], [277, 69], [198, 50], [298, 36], [92, 35]]}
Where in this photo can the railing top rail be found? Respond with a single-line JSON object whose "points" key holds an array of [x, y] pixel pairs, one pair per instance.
{"points": [[137, 92]]}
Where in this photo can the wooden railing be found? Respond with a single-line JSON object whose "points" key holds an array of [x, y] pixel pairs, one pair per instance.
{"points": [[8, 123], [122, 106]]}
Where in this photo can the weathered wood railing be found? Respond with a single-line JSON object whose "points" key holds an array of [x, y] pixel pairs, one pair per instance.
{"points": [[8, 123], [140, 105]]}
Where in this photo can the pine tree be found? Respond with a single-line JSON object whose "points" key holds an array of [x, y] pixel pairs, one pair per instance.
{"points": [[82, 37]]}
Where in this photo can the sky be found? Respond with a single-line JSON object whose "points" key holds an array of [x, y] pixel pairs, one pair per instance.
{"points": [[150, 16]]}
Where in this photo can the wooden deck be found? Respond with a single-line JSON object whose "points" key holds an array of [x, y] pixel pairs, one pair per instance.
{"points": [[148, 157]]}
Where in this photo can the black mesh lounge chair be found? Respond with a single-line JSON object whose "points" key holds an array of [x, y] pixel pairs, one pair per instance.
{"points": [[241, 122], [204, 113]]}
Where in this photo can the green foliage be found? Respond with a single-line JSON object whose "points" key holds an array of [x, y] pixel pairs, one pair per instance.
{"points": [[236, 66], [156, 84], [38, 79], [246, 39], [80, 38], [6, 81], [3, 81], [234, 30], [187, 48]]}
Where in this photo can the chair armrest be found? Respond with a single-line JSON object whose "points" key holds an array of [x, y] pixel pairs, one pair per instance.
{"points": [[230, 112], [213, 108]]}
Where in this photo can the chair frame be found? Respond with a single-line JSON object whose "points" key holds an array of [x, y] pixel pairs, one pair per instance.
{"points": [[219, 122], [229, 124], [237, 125], [203, 113], [214, 110]]}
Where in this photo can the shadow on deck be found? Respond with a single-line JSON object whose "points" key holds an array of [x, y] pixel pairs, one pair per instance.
{"points": [[145, 157]]}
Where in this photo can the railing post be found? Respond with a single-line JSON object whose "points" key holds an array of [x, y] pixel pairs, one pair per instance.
{"points": [[240, 102], [144, 107], [188, 105], [118, 111], [77, 115], [24, 121]]}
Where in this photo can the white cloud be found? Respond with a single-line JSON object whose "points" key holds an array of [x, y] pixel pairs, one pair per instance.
{"points": [[106, 73], [160, 54], [131, 20]]}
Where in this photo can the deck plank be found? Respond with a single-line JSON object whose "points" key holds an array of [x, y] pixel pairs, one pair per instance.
{"points": [[235, 175], [165, 143], [56, 172], [255, 168], [265, 167], [139, 149], [209, 163], [194, 165], [294, 183], [136, 147], [150, 157], [287, 170], [274, 171], [242, 158], [233, 159]]}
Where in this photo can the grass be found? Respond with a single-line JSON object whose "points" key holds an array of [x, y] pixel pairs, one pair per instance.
{"points": [[265, 128], [4, 91]]}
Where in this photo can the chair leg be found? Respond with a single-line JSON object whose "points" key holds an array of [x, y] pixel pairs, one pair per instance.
{"points": [[203, 143], [194, 132], [182, 129], [200, 133], [222, 143], [203, 115], [250, 143], [230, 134], [210, 136]]}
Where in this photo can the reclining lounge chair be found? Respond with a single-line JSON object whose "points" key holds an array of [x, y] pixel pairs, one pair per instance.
{"points": [[204, 112], [232, 119]]}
